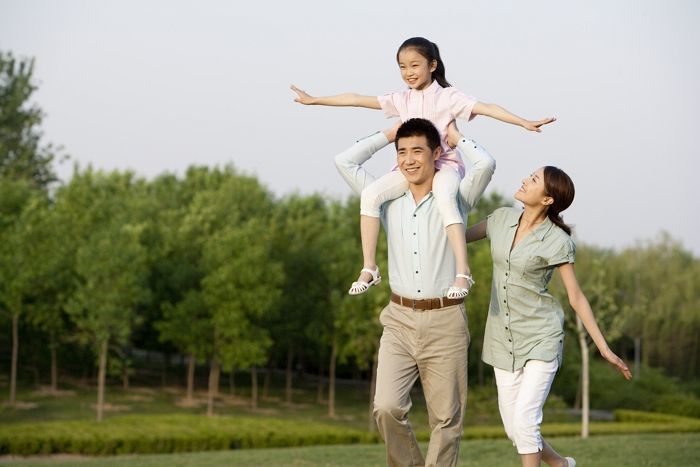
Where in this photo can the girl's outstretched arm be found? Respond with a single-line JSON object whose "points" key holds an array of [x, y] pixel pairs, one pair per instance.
{"points": [[580, 304], [499, 113], [341, 100]]}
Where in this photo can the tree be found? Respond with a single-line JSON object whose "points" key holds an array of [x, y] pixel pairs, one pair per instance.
{"points": [[110, 262], [21, 152], [18, 257]]}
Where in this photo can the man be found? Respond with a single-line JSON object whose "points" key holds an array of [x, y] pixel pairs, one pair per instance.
{"points": [[425, 334]]}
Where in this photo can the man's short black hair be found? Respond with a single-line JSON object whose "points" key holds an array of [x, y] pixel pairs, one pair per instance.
{"points": [[419, 127]]}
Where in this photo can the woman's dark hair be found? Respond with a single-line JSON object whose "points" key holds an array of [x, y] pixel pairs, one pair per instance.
{"points": [[431, 52], [419, 127], [558, 185]]}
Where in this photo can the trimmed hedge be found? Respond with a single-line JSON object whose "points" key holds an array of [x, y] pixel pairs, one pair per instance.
{"points": [[169, 433], [183, 433]]}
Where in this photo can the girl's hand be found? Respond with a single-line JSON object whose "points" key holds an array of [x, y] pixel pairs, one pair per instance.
{"points": [[617, 362], [536, 125], [453, 134], [302, 96], [390, 133]]}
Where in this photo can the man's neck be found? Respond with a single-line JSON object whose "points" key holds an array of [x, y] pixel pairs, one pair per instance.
{"points": [[420, 191]]}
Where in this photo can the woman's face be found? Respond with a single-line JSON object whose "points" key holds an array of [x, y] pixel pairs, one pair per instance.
{"points": [[416, 71], [532, 191]]}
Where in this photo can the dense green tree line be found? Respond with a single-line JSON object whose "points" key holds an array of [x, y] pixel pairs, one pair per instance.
{"points": [[212, 267]]}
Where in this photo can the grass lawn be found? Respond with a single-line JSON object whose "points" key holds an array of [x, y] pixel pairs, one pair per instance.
{"points": [[672, 450]]}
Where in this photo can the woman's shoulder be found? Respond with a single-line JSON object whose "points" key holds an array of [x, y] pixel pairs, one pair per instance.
{"points": [[562, 240], [505, 215]]}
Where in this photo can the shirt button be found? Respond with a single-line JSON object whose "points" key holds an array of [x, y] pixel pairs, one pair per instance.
{"points": [[510, 353], [414, 215], [416, 272], [504, 287], [419, 291], [507, 315], [506, 328], [510, 340], [415, 252], [414, 233], [506, 261], [506, 274], [504, 301]]}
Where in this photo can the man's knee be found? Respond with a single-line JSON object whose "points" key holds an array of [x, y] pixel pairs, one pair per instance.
{"points": [[386, 408]]}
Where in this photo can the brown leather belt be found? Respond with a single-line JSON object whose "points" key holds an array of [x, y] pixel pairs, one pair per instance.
{"points": [[426, 303]]}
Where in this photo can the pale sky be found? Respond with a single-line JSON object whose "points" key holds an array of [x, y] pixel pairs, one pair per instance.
{"points": [[156, 86]]}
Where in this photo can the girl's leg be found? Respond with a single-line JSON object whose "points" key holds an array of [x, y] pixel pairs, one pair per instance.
{"points": [[385, 188], [445, 187]]}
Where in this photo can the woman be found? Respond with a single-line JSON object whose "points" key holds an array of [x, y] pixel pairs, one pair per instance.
{"points": [[525, 326]]}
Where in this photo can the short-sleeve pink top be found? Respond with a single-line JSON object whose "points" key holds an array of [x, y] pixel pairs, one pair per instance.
{"points": [[437, 104]]}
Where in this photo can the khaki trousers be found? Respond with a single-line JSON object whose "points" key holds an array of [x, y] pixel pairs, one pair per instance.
{"points": [[431, 345]]}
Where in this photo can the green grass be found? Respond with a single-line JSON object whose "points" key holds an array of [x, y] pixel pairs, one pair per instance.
{"points": [[672, 450]]}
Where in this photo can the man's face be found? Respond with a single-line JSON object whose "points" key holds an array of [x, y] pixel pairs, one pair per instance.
{"points": [[415, 159]]}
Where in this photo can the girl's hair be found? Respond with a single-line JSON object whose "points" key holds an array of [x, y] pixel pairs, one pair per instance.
{"points": [[558, 185], [430, 51]]}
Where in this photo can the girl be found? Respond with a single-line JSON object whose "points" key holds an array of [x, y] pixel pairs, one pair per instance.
{"points": [[524, 327], [430, 96]]}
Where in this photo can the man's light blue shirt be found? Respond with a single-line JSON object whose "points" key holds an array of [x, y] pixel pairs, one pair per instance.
{"points": [[421, 262]]}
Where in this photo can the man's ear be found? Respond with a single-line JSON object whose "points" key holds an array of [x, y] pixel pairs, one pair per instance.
{"points": [[437, 153]]}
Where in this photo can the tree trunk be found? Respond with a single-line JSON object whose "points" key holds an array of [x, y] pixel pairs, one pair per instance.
{"points": [[331, 380], [319, 386], [190, 377], [54, 363], [372, 388], [213, 386], [15, 350], [101, 376], [253, 388], [637, 357], [266, 381], [288, 376], [585, 403], [125, 374]]}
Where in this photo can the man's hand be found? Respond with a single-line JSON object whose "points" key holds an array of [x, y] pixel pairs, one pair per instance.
{"points": [[390, 133], [453, 134]]}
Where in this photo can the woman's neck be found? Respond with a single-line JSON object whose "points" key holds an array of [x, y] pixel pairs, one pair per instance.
{"points": [[533, 216]]}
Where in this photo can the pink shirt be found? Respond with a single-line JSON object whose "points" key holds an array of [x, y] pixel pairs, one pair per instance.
{"points": [[437, 104]]}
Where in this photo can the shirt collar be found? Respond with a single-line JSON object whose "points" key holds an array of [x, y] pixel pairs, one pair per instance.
{"points": [[432, 89], [539, 232]]}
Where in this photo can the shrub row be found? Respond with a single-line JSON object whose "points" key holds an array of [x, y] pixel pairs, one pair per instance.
{"points": [[182, 433], [169, 433]]}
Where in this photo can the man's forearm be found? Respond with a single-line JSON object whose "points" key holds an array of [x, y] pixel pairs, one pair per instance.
{"points": [[349, 162]]}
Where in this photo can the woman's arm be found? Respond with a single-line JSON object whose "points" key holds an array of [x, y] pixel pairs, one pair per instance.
{"points": [[476, 232], [341, 100], [580, 304], [499, 113]]}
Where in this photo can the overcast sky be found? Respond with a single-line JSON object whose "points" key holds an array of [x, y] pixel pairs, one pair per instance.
{"points": [[156, 86]]}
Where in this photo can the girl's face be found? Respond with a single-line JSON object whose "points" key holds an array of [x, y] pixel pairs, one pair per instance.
{"points": [[532, 192], [416, 71]]}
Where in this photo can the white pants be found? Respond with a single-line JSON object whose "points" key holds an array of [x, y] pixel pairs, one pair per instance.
{"points": [[521, 396], [393, 185]]}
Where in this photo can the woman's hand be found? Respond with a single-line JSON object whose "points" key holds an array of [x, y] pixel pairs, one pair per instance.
{"points": [[617, 362], [302, 96]]}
